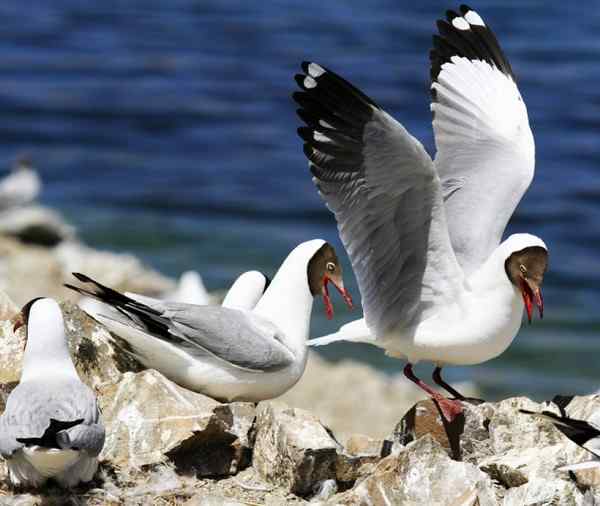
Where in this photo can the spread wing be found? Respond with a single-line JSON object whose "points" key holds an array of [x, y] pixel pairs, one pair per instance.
{"points": [[485, 150], [386, 196]]}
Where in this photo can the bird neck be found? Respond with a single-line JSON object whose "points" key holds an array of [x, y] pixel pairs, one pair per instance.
{"points": [[46, 351], [287, 302]]}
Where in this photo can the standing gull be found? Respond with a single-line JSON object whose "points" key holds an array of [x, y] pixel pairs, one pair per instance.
{"points": [[224, 352], [423, 236], [21, 186], [51, 426]]}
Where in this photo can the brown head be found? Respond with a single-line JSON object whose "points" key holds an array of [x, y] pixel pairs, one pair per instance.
{"points": [[22, 317], [324, 267], [525, 269]]}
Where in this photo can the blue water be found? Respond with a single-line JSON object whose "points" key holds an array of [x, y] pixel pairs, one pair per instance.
{"points": [[166, 129]]}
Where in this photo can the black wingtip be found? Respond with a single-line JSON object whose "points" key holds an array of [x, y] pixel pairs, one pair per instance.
{"points": [[82, 277], [527, 412], [473, 41]]}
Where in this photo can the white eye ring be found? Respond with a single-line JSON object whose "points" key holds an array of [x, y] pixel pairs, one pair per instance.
{"points": [[330, 266], [523, 269]]}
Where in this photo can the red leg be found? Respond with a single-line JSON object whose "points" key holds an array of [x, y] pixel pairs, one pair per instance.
{"points": [[450, 409], [437, 378]]}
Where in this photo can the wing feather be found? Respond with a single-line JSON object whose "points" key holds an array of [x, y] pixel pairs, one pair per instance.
{"points": [[382, 187], [482, 135]]}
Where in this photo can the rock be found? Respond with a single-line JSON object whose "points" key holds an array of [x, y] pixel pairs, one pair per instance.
{"points": [[466, 438], [422, 474], [292, 448], [29, 271], [375, 392], [120, 271], [35, 225], [545, 491], [8, 308], [359, 444], [150, 419]]}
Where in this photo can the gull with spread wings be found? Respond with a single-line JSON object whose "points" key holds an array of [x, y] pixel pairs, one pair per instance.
{"points": [[424, 236]]}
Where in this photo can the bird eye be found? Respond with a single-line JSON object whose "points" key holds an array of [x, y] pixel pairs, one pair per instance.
{"points": [[523, 269], [330, 266]]}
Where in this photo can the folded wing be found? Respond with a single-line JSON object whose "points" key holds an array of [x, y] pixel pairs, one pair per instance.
{"points": [[386, 196], [238, 338]]}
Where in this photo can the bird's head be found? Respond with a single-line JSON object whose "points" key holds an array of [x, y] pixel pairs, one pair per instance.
{"points": [[323, 268], [525, 269]]}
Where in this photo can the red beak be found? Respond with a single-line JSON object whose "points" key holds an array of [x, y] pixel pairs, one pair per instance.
{"points": [[327, 299], [532, 295]]}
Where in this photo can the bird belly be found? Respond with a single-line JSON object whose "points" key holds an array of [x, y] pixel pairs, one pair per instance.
{"points": [[225, 382], [459, 339], [49, 461], [206, 374]]}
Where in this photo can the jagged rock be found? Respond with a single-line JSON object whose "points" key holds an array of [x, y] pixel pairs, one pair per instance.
{"points": [[466, 438], [150, 419], [8, 308], [121, 271], [360, 444], [422, 474], [371, 390], [35, 225], [546, 491], [292, 448]]}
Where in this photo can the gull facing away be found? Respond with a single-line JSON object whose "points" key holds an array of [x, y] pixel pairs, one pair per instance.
{"points": [[20, 187], [423, 235], [246, 290], [51, 426], [583, 433], [225, 352]]}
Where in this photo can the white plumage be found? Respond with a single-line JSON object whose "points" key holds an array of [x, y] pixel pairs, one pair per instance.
{"points": [[424, 236], [51, 426]]}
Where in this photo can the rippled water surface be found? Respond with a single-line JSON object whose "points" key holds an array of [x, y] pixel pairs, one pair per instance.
{"points": [[167, 129]]}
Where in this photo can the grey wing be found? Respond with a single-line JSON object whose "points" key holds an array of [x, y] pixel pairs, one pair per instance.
{"points": [[386, 196], [31, 407], [236, 337], [83, 437], [485, 149]]}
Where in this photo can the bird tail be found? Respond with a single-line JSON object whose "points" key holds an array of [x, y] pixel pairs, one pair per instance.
{"points": [[356, 331], [145, 316]]}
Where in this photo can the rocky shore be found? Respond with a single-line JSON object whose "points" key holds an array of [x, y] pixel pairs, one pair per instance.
{"points": [[344, 435]]}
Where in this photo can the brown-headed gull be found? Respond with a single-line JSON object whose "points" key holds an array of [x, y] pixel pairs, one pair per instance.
{"points": [[51, 426], [423, 236], [583, 433], [20, 187], [225, 352]]}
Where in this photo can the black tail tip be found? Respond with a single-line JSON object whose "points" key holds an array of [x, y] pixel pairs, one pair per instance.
{"points": [[82, 277]]}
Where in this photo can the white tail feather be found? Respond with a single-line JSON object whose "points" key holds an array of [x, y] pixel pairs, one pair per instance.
{"points": [[356, 331]]}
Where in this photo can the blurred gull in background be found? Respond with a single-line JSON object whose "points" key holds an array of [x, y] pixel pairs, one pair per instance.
{"points": [[21, 187]]}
